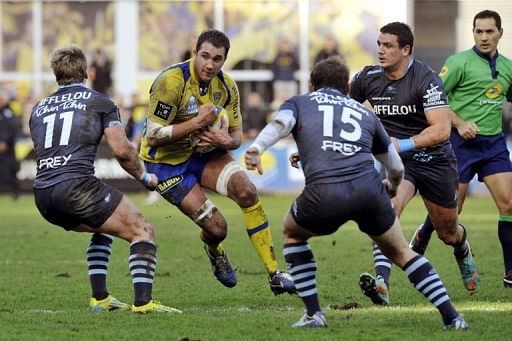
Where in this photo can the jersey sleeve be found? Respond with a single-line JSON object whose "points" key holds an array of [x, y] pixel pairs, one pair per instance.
{"points": [[233, 106], [164, 97], [432, 92], [288, 108], [110, 115], [381, 138], [451, 74], [356, 88]]}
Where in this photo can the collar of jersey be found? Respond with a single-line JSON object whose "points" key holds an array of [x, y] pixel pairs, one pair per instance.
{"points": [[327, 88], [491, 61], [69, 85], [484, 56], [408, 68]]}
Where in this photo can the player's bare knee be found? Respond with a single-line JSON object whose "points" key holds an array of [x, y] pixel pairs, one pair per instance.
{"points": [[505, 206], [448, 235], [246, 195]]}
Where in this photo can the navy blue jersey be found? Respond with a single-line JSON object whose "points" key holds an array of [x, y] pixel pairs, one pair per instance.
{"points": [[400, 104], [329, 122], [66, 128]]}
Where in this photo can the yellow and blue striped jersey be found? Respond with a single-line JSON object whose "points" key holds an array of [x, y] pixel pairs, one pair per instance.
{"points": [[175, 97]]}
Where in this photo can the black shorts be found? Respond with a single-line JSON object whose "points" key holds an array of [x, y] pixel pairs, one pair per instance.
{"points": [[436, 179], [77, 201], [323, 208]]}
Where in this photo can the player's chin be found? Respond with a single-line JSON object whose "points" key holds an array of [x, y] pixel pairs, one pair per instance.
{"points": [[207, 76]]}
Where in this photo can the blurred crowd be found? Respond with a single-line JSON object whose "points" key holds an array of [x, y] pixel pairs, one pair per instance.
{"points": [[16, 101]]}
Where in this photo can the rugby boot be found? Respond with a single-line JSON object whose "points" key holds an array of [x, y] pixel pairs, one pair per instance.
{"points": [[154, 307], [375, 288], [316, 321], [469, 271], [281, 282], [222, 269], [507, 280], [110, 303], [457, 323], [417, 244]]}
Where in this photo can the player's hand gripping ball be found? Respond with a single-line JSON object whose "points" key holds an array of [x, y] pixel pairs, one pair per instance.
{"points": [[222, 119]]}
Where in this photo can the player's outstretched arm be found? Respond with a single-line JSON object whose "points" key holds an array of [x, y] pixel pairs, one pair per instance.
{"points": [[281, 126], [127, 157]]}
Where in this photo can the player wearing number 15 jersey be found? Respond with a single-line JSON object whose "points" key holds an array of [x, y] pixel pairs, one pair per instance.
{"points": [[336, 137], [66, 128]]}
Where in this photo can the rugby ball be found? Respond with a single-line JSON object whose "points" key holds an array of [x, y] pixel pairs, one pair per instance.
{"points": [[222, 118]]}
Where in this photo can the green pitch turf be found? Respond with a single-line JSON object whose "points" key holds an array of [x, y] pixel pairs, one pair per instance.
{"points": [[44, 289]]}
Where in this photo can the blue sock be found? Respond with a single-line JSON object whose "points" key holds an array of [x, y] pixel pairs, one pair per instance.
{"points": [[302, 266], [142, 263], [98, 254], [382, 264], [426, 280], [505, 235], [426, 230]]}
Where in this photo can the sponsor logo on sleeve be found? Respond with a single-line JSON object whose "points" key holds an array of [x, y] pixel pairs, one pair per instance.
{"points": [[162, 110], [433, 96], [444, 71]]}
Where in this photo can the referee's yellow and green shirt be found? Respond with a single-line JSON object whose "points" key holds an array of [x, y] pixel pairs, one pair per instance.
{"points": [[175, 97]]}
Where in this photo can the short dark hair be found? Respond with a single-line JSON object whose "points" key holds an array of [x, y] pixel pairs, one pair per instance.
{"points": [[332, 73], [69, 64], [216, 38], [402, 31], [488, 14]]}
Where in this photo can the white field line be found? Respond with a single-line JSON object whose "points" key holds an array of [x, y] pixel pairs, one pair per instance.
{"points": [[462, 307]]}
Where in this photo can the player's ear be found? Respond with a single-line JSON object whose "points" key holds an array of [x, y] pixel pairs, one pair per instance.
{"points": [[311, 87], [407, 50]]}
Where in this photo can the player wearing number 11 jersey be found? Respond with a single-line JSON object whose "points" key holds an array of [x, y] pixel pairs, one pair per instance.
{"points": [[66, 128], [336, 138]]}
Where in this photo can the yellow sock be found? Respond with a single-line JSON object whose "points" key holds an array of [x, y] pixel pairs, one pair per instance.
{"points": [[256, 224], [214, 250]]}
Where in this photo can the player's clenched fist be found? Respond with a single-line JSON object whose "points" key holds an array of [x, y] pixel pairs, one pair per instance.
{"points": [[253, 160]]}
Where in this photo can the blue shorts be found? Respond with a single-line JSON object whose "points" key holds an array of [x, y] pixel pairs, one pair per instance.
{"points": [[175, 181], [483, 155], [323, 208]]}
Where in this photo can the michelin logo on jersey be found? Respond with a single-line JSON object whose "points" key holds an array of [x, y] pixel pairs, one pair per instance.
{"points": [[191, 108]]}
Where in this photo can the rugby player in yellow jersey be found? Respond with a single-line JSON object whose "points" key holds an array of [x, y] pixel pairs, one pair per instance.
{"points": [[184, 100]]}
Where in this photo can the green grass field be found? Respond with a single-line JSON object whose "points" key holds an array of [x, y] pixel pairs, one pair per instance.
{"points": [[44, 289]]}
